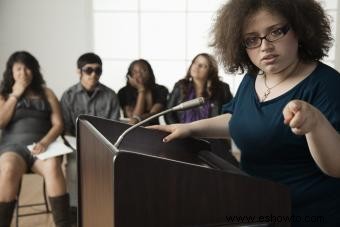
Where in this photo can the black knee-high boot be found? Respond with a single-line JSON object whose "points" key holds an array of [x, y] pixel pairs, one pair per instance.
{"points": [[6, 213], [60, 210]]}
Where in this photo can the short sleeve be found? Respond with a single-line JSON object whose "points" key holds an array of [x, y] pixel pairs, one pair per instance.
{"points": [[244, 86], [326, 97], [122, 97], [228, 107]]}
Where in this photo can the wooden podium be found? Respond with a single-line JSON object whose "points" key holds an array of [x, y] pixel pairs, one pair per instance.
{"points": [[149, 183]]}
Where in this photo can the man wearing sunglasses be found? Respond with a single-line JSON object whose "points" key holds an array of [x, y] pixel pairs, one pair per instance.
{"points": [[91, 97]]}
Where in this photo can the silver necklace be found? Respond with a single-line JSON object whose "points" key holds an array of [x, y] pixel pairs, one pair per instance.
{"points": [[269, 89]]}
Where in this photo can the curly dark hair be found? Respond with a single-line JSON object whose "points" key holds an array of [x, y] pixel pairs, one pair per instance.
{"points": [[151, 82], [24, 57], [306, 17], [211, 91]]}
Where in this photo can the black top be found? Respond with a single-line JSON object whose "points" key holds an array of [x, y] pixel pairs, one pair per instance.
{"points": [[128, 97]]}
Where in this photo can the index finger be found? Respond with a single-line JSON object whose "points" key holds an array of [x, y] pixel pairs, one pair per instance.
{"points": [[290, 110], [160, 127]]}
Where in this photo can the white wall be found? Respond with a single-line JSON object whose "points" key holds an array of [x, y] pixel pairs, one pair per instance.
{"points": [[55, 32]]}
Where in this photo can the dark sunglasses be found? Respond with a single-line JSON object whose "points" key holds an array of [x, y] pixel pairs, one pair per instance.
{"points": [[89, 70]]}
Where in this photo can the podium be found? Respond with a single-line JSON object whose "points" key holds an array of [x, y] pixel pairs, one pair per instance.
{"points": [[181, 183]]}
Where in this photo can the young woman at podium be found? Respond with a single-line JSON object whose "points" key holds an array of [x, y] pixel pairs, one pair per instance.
{"points": [[285, 116]]}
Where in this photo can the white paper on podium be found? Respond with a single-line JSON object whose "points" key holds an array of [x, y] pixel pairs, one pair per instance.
{"points": [[56, 148]]}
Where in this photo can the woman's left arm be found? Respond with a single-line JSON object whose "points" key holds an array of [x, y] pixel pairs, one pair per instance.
{"points": [[159, 104], [56, 120], [322, 138], [156, 108]]}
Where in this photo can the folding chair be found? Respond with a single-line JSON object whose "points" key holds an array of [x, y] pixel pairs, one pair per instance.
{"points": [[39, 204]]}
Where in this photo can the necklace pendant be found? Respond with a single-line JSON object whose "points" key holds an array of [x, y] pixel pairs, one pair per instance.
{"points": [[265, 95]]}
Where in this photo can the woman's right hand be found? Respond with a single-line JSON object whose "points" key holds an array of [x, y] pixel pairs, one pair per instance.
{"points": [[20, 86], [136, 83], [176, 131], [38, 148], [133, 121]]}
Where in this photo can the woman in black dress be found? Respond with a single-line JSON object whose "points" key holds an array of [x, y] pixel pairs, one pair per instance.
{"points": [[29, 113]]}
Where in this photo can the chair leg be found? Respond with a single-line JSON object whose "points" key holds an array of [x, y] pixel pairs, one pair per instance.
{"points": [[17, 213], [45, 198], [17, 205], [45, 204]]}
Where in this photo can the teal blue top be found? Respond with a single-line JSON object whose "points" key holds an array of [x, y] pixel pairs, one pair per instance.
{"points": [[270, 150]]}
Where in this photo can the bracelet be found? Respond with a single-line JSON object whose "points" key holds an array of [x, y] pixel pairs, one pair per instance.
{"points": [[138, 118], [14, 96], [141, 90]]}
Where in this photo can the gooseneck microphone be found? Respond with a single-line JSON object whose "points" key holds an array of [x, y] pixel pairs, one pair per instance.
{"points": [[182, 106], [188, 104]]}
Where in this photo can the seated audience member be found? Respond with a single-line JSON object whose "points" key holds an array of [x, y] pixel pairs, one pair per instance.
{"points": [[88, 96], [142, 97], [202, 80], [29, 113]]}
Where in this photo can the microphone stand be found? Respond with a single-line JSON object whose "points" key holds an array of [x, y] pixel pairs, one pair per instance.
{"points": [[120, 138], [182, 106]]}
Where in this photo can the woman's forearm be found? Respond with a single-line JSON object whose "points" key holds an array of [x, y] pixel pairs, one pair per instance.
{"points": [[324, 145], [216, 127], [140, 104], [52, 134], [7, 109]]}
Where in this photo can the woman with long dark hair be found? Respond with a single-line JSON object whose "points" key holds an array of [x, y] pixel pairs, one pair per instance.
{"points": [[142, 97], [29, 113], [201, 80]]}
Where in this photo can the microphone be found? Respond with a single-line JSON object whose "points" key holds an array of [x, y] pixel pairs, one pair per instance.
{"points": [[182, 106], [189, 104]]}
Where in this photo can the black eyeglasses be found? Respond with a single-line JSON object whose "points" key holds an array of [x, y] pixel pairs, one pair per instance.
{"points": [[256, 41], [89, 70]]}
